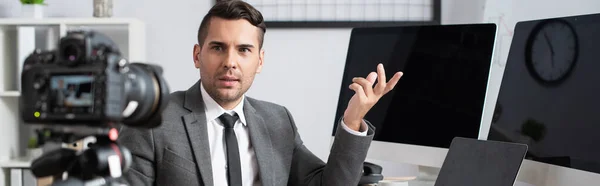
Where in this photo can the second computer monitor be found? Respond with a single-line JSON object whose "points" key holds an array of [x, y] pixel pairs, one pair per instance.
{"points": [[549, 94]]}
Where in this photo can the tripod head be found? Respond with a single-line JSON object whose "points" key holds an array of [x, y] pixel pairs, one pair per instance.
{"points": [[101, 163]]}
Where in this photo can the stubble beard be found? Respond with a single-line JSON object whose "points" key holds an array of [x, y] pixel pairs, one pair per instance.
{"points": [[225, 97]]}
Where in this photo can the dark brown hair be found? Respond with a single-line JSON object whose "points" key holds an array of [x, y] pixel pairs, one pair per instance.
{"points": [[232, 10]]}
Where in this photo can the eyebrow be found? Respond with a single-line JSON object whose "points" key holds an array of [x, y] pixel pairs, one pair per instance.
{"points": [[246, 46], [223, 44], [216, 43]]}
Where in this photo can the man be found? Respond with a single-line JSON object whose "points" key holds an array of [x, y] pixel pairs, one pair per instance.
{"points": [[71, 97], [212, 134], [59, 93]]}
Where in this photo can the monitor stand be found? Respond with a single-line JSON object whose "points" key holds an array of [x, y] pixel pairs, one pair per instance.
{"points": [[426, 176], [427, 173]]}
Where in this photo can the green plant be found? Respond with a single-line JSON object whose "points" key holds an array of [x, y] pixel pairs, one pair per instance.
{"points": [[33, 143], [32, 2]]}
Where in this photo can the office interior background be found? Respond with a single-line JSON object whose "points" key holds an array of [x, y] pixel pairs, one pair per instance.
{"points": [[303, 66]]}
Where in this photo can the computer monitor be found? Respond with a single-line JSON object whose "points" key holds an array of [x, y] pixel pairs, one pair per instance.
{"points": [[549, 95], [441, 95]]}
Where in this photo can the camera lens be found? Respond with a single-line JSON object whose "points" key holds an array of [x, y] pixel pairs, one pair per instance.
{"points": [[149, 90], [71, 52]]}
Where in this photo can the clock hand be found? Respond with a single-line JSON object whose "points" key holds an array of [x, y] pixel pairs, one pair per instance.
{"points": [[549, 44], [551, 49]]}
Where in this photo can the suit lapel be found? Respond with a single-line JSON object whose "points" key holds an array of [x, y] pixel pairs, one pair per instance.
{"points": [[195, 124], [261, 141]]}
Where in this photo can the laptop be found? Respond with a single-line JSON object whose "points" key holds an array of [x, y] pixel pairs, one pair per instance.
{"points": [[472, 162]]}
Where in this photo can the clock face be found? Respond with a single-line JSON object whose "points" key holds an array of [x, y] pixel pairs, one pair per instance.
{"points": [[552, 51]]}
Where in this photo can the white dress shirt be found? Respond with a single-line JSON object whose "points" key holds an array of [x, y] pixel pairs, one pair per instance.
{"points": [[249, 165]]}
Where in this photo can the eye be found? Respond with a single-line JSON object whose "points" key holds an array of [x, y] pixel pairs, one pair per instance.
{"points": [[244, 50], [217, 48]]}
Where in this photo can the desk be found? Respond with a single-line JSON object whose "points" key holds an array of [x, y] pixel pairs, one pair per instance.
{"points": [[17, 173], [405, 181]]}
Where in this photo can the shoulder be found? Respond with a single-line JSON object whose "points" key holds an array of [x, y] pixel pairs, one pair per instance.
{"points": [[267, 108], [174, 108], [176, 99], [277, 117], [177, 95], [262, 103]]}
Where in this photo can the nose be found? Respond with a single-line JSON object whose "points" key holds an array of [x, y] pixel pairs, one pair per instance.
{"points": [[230, 60]]}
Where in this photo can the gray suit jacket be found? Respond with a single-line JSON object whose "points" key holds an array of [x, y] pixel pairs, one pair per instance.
{"points": [[177, 152]]}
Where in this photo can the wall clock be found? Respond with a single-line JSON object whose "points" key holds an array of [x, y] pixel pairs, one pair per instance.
{"points": [[552, 51]]}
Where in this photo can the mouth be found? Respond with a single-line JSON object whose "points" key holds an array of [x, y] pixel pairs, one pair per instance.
{"points": [[228, 81]]}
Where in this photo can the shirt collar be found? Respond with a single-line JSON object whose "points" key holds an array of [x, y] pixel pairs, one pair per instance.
{"points": [[213, 110]]}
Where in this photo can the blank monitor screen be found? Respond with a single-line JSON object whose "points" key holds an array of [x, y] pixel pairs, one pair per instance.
{"points": [[550, 93], [442, 92]]}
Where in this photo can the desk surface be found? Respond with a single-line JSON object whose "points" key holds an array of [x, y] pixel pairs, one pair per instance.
{"points": [[408, 181], [23, 162]]}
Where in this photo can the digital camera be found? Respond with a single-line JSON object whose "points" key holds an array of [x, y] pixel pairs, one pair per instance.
{"points": [[86, 81]]}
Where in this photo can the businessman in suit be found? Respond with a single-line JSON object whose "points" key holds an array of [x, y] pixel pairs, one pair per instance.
{"points": [[212, 134]]}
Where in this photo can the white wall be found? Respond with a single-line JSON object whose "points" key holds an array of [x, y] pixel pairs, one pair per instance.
{"points": [[462, 11]]}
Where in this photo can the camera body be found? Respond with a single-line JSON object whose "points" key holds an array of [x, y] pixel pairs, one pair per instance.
{"points": [[87, 81]]}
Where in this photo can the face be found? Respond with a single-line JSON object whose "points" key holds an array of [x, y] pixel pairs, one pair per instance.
{"points": [[229, 59]]}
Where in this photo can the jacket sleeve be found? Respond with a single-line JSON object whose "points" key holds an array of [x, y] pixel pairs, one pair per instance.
{"points": [[140, 143], [344, 165]]}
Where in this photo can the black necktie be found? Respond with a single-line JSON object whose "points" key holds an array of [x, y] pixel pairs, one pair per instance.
{"points": [[234, 169]]}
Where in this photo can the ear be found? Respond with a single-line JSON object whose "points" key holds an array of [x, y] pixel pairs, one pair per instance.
{"points": [[196, 57], [261, 59]]}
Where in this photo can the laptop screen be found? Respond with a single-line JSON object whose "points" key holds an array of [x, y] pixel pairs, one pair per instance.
{"points": [[478, 162]]}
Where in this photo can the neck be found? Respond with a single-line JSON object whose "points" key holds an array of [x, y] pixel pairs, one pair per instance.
{"points": [[229, 104]]}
